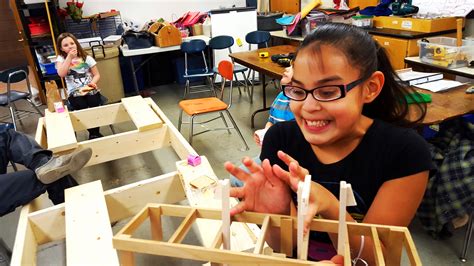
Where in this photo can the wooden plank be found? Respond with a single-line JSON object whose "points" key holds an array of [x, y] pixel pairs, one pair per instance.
{"points": [[88, 230], [261, 239], [178, 142], [61, 136], [183, 228], [25, 247], [202, 253], [40, 135], [286, 236], [99, 116], [141, 113], [412, 253], [125, 144], [155, 223], [378, 254], [122, 202]]}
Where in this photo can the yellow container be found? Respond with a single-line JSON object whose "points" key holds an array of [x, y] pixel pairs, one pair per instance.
{"points": [[416, 24]]}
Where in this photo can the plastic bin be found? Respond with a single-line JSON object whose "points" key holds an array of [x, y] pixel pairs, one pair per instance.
{"points": [[49, 68], [442, 51]]}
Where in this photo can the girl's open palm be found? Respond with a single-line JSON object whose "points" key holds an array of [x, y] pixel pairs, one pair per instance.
{"points": [[262, 191]]}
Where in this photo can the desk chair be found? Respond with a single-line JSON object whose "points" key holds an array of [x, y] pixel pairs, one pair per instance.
{"points": [[202, 106], [8, 99], [225, 42], [190, 48], [259, 38]]}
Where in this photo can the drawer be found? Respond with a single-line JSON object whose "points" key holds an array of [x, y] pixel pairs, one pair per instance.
{"points": [[395, 48]]}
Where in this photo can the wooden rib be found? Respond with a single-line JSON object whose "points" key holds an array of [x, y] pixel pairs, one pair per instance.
{"points": [[183, 228], [127, 258], [88, 231], [286, 236], [141, 113], [40, 135], [217, 240], [25, 246], [412, 253], [378, 254], [135, 222], [155, 223], [61, 135], [393, 242], [347, 249], [261, 239]]}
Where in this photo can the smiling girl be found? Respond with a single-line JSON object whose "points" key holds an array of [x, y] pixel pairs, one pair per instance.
{"points": [[350, 124]]}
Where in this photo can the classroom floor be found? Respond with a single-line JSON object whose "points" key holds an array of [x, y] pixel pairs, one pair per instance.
{"points": [[219, 147]]}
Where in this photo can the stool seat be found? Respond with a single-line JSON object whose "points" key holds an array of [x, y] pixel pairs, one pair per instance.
{"points": [[202, 105], [14, 96]]}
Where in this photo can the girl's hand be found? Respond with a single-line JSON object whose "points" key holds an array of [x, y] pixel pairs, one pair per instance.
{"points": [[262, 191], [92, 85], [320, 199], [72, 54]]}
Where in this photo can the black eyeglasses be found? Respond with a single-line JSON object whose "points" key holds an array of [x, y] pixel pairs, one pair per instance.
{"points": [[323, 94]]}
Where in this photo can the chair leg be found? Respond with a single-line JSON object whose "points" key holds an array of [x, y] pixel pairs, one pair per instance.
{"points": [[186, 89], [12, 113], [14, 166], [180, 120], [247, 87], [225, 122], [211, 84], [191, 127], [238, 85], [35, 107], [16, 113], [246, 147], [467, 239]]}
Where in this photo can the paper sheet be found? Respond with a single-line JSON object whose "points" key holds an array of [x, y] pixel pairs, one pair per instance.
{"points": [[443, 8], [439, 85]]}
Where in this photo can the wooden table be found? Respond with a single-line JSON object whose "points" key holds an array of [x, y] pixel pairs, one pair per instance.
{"points": [[264, 66], [447, 105], [414, 61]]}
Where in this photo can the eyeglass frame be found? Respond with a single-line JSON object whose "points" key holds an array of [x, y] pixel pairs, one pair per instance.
{"points": [[343, 88]]}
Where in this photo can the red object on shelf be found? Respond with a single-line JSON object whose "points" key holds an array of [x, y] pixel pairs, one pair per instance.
{"points": [[38, 28]]}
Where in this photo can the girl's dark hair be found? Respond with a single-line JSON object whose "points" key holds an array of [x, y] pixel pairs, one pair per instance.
{"points": [[363, 53], [80, 52]]}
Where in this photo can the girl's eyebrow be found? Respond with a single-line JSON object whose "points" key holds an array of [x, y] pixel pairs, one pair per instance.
{"points": [[322, 81]]}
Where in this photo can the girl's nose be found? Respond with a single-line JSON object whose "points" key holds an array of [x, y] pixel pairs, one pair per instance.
{"points": [[311, 104]]}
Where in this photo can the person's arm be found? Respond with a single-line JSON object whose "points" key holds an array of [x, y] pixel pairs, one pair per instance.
{"points": [[63, 65], [95, 77]]}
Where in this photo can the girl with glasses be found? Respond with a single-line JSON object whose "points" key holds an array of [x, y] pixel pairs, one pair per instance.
{"points": [[351, 123]]}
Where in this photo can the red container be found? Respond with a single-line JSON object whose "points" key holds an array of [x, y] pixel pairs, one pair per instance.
{"points": [[38, 29]]}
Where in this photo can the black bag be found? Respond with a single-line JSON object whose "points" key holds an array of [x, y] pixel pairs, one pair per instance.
{"points": [[138, 39]]}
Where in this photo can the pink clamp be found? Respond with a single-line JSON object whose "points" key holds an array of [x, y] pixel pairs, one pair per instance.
{"points": [[194, 160]]}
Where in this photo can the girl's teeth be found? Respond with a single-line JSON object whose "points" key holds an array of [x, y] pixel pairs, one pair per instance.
{"points": [[319, 123]]}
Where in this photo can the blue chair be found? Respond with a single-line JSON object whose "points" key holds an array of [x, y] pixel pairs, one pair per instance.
{"points": [[225, 42], [8, 99], [196, 48], [259, 38]]}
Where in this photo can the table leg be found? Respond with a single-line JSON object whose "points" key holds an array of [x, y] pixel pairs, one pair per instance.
{"points": [[264, 96], [134, 76]]}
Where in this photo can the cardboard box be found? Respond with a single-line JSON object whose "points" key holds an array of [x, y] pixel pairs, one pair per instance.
{"points": [[416, 24]]}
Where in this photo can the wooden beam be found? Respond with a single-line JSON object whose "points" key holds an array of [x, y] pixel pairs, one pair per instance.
{"points": [[261, 239], [141, 113], [286, 236], [61, 136], [99, 116], [201, 253], [410, 248], [88, 230], [155, 223], [40, 135], [378, 254], [122, 202], [183, 228], [125, 144], [25, 247]]}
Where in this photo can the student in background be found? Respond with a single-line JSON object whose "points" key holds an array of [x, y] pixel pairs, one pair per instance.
{"points": [[350, 124], [81, 75]]}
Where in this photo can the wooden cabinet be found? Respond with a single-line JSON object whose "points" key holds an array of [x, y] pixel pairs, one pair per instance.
{"points": [[287, 6], [398, 48]]}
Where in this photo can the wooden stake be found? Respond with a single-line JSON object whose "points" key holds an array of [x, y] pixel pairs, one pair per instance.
{"points": [[303, 202], [346, 198], [225, 213]]}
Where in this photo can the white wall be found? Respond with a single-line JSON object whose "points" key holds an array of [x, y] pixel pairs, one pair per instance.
{"points": [[144, 10]]}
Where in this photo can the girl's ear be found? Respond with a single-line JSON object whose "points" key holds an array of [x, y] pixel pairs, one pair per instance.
{"points": [[373, 86]]}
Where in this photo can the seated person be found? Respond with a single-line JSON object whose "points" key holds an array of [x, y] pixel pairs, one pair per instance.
{"points": [[44, 173]]}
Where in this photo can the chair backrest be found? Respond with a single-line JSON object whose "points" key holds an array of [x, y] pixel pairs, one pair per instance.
{"points": [[192, 47], [14, 75], [257, 37], [226, 70], [221, 42]]}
